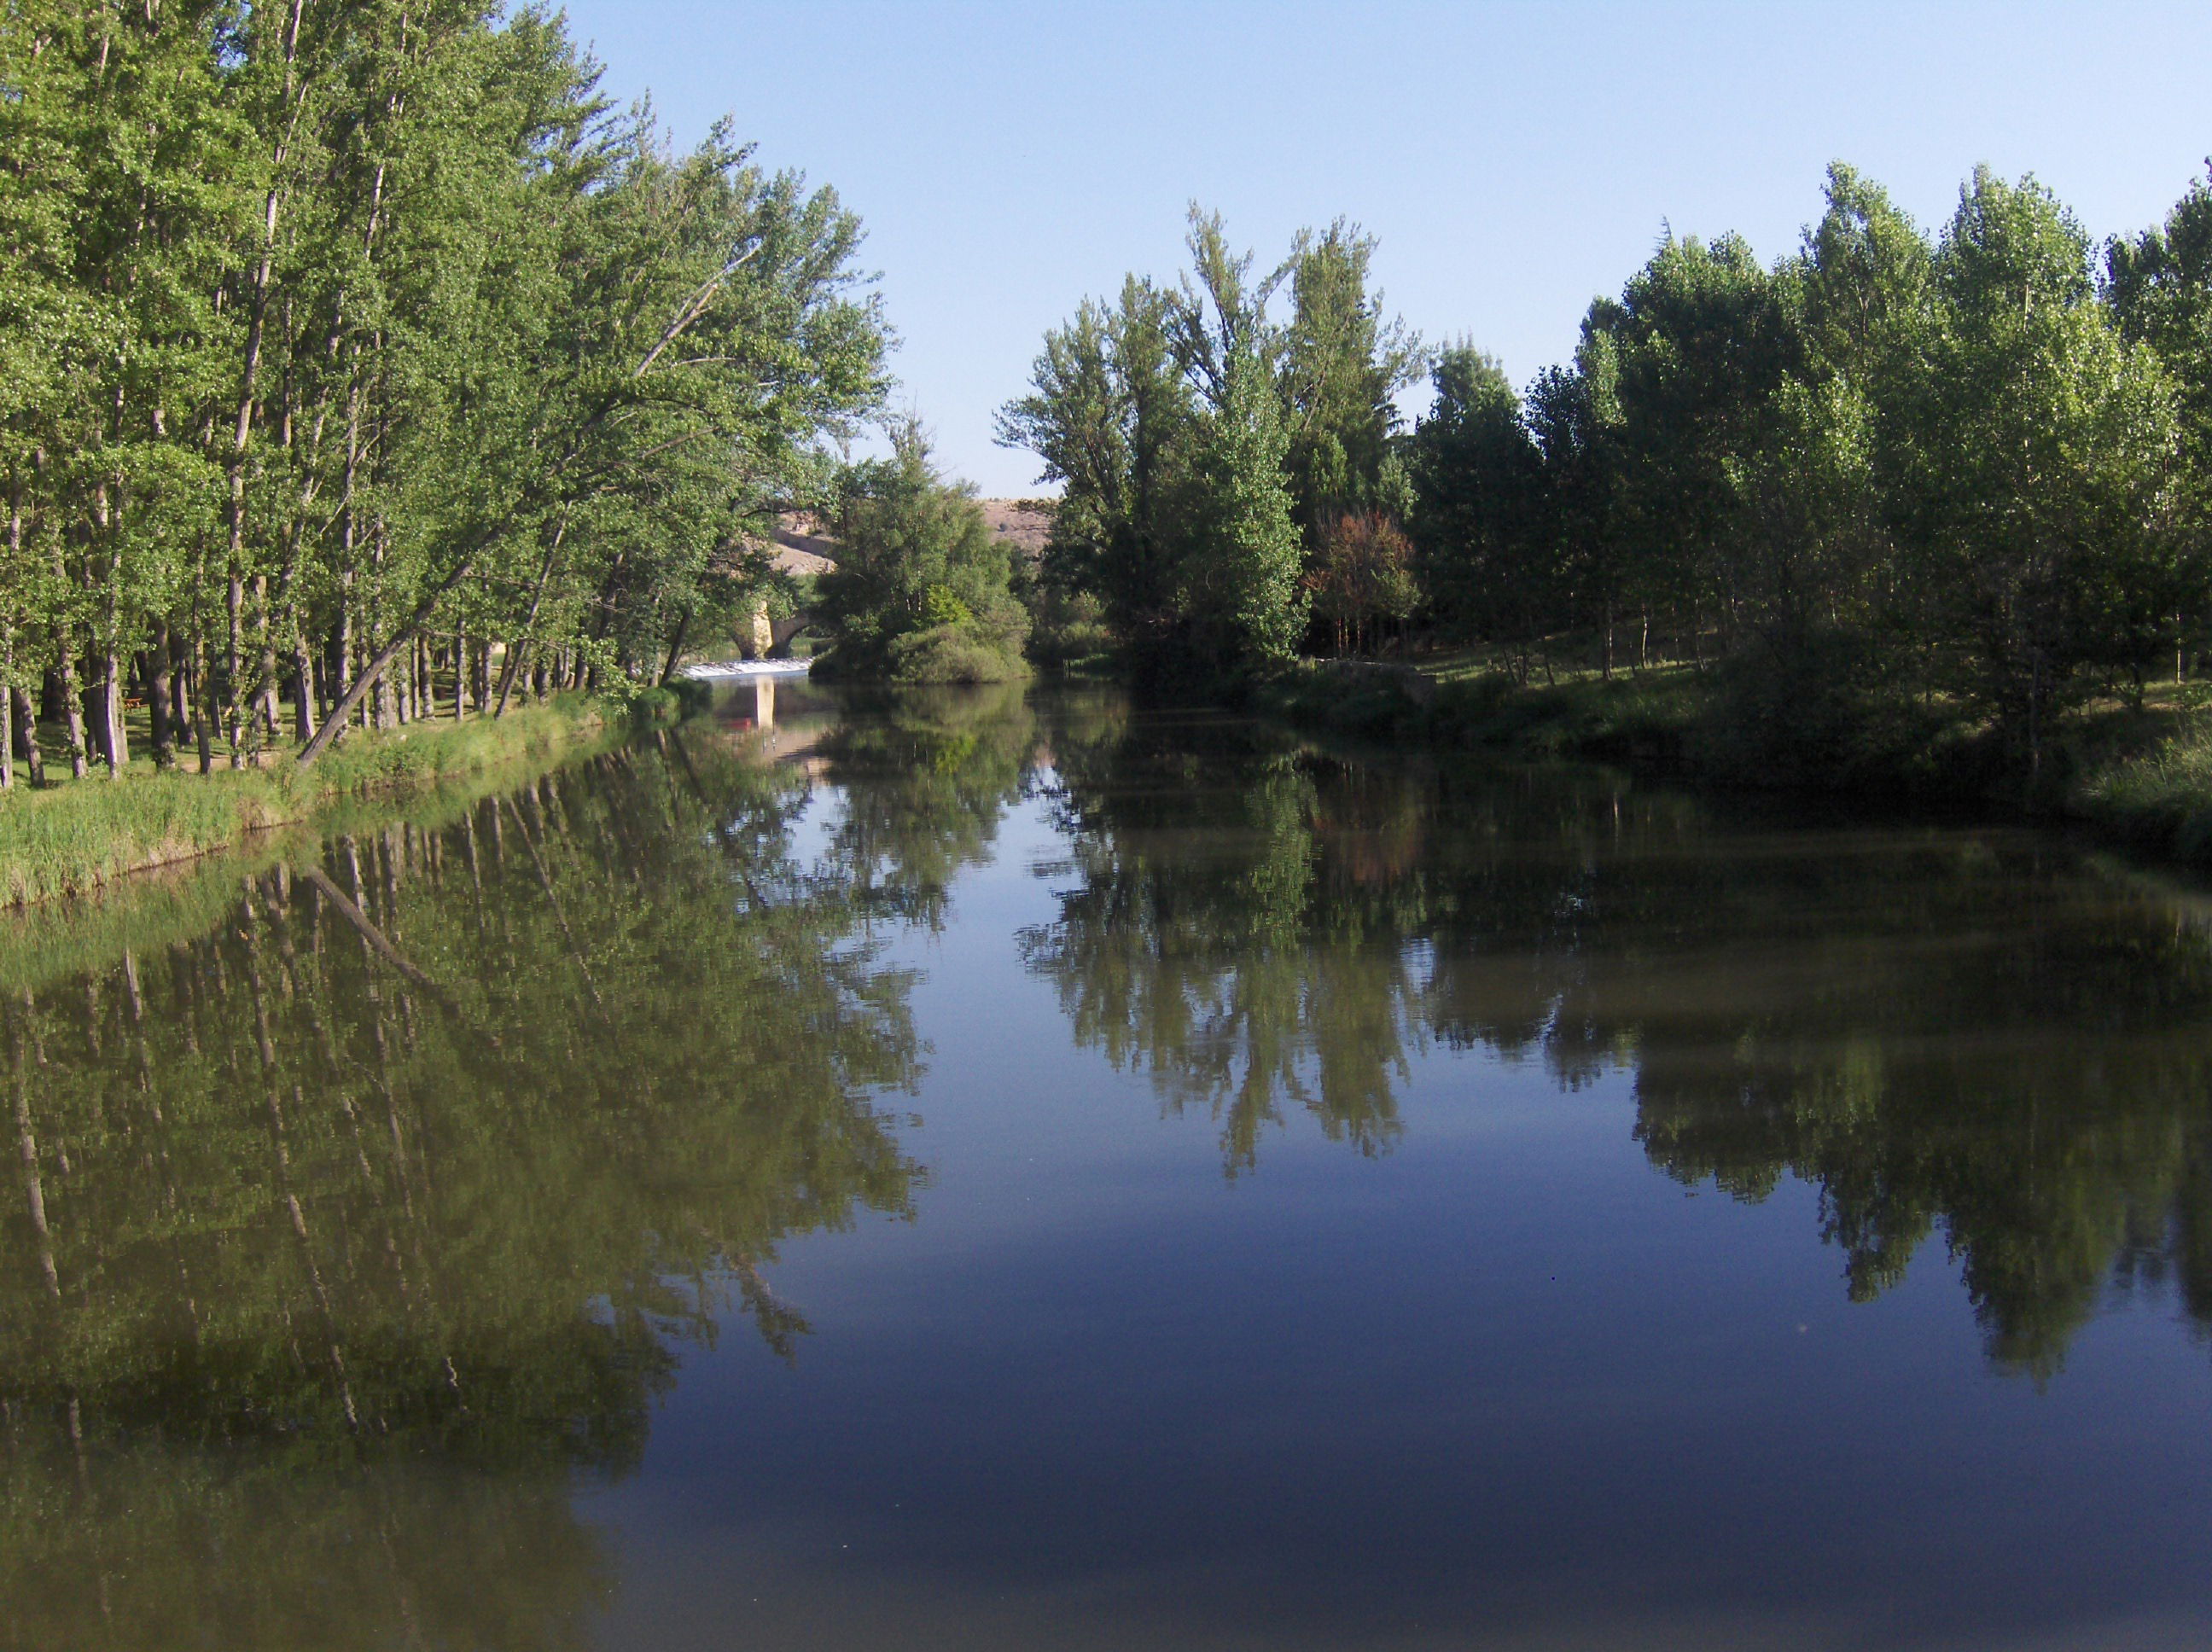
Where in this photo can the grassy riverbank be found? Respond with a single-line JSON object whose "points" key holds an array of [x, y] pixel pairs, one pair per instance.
{"points": [[73, 838], [2140, 774]]}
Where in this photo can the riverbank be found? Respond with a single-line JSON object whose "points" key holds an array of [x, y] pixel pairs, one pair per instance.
{"points": [[75, 838], [2139, 776]]}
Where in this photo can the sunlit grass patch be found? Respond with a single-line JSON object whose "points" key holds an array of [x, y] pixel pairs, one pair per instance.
{"points": [[73, 838]]}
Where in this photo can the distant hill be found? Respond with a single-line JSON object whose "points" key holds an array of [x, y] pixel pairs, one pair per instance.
{"points": [[1026, 522], [802, 547]]}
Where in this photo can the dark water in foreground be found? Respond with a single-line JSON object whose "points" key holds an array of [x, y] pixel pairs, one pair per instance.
{"points": [[980, 1173]]}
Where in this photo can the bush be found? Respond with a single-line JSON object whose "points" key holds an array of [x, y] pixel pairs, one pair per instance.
{"points": [[2160, 799], [952, 654], [1814, 710]]}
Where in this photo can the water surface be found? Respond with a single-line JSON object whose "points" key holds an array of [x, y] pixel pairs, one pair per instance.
{"points": [[990, 1170]]}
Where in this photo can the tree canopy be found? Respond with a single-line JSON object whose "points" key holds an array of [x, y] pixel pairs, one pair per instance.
{"points": [[351, 349]]}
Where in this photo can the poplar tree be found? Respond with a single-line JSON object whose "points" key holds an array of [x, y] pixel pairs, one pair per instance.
{"points": [[348, 344]]}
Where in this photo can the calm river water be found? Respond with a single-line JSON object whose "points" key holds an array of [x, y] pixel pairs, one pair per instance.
{"points": [[998, 1171]]}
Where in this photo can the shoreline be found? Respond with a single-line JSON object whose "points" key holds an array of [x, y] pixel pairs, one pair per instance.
{"points": [[2141, 781], [83, 837]]}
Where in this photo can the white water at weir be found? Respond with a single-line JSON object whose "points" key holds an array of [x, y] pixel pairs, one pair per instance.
{"points": [[730, 668]]}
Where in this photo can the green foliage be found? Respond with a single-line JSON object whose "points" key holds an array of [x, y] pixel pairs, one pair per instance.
{"points": [[1902, 495], [922, 591], [1205, 452], [1481, 516], [2160, 287], [361, 355], [1343, 365], [1114, 417], [2025, 455], [1240, 589]]}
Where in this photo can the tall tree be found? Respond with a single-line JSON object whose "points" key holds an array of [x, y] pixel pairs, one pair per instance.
{"points": [[1343, 365], [1488, 558], [2026, 458], [1239, 586]]}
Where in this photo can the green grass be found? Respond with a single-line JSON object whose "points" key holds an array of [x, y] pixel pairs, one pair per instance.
{"points": [[2139, 773], [1454, 701], [2159, 798], [78, 837]]}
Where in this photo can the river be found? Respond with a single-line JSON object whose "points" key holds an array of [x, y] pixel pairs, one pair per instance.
{"points": [[1008, 1169]]}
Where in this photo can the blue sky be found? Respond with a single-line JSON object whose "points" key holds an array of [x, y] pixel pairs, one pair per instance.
{"points": [[1512, 159]]}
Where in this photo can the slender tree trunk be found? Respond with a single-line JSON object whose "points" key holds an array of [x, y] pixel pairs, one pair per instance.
{"points": [[303, 669], [203, 685], [510, 666], [233, 663], [380, 712], [8, 729], [181, 721], [676, 647], [266, 624], [112, 685], [157, 698], [72, 702], [348, 524], [26, 735]]}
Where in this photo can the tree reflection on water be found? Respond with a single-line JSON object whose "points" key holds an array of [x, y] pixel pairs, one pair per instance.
{"points": [[347, 1233], [360, 1214], [1942, 1030]]}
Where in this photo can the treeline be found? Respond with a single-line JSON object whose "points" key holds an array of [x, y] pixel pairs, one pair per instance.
{"points": [[1214, 462], [359, 362], [1893, 471]]}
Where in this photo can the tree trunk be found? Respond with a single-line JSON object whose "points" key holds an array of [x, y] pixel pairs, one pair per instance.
{"points": [[115, 740], [26, 737], [203, 718], [72, 702], [266, 623], [303, 671], [158, 668], [233, 662], [676, 647]]}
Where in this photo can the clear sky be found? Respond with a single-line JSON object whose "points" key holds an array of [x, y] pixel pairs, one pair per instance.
{"points": [[1513, 159]]}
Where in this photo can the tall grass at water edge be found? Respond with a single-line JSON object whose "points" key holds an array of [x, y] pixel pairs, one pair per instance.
{"points": [[2160, 800], [73, 838], [2139, 777]]}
